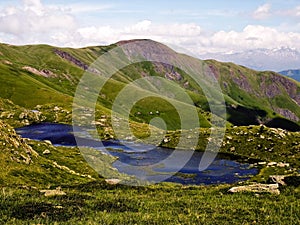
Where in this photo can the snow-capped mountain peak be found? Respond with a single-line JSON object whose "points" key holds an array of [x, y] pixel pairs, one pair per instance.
{"points": [[277, 59]]}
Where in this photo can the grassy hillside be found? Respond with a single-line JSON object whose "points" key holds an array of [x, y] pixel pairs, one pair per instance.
{"points": [[53, 73], [257, 97]]}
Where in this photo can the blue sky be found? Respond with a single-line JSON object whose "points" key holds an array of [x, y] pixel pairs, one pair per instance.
{"points": [[199, 26]]}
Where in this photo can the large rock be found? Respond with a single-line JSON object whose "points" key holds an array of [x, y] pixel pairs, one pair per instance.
{"points": [[257, 188], [46, 152], [290, 180], [113, 181], [277, 179], [54, 192]]}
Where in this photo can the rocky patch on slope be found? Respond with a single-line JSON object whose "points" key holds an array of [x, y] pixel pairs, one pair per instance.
{"points": [[77, 62], [16, 147], [43, 72]]}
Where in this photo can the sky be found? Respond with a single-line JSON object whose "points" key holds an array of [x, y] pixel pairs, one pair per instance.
{"points": [[198, 26]]}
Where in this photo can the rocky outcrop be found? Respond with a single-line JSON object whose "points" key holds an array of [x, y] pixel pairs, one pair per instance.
{"points": [[43, 72], [71, 59], [269, 89], [75, 61], [290, 87], [241, 80], [287, 114], [273, 84], [169, 71]]}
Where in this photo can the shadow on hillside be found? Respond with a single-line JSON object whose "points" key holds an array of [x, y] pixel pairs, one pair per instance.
{"points": [[242, 116]]}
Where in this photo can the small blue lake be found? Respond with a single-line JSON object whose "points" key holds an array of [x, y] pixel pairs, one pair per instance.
{"points": [[221, 170]]}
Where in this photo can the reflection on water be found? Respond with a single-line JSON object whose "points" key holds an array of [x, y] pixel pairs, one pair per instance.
{"points": [[134, 154]]}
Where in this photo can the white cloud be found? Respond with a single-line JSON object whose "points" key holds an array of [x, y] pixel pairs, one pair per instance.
{"points": [[34, 6], [193, 38], [34, 22], [297, 11], [254, 36], [98, 35], [32, 17], [262, 12], [294, 12], [83, 7], [141, 26], [174, 33]]}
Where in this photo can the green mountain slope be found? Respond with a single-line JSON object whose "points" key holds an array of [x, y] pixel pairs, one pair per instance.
{"points": [[41, 74]]}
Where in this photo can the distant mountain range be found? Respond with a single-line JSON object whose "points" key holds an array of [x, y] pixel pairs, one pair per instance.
{"points": [[278, 59], [295, 74]]}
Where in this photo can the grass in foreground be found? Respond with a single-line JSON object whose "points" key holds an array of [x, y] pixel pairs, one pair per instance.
{"points": [[99, 203]]}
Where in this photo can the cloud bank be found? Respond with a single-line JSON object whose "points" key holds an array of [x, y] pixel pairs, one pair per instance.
{"points": [[33, 22]]}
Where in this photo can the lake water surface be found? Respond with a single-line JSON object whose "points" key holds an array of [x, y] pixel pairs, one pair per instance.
{"points": [[222, 170]]}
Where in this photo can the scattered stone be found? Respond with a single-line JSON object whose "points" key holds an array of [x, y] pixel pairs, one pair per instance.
{"points": [[277, 179], [48, 142], [130, 138], [6, 62], [22, 115], [46, 152], [98, 123], [112, 181], [257, 188], [281, 134], [262, 163], [55, 192], [25, 122], [166, 140], [38, 107], [281, 164], [10, 116], [272, 164]]}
